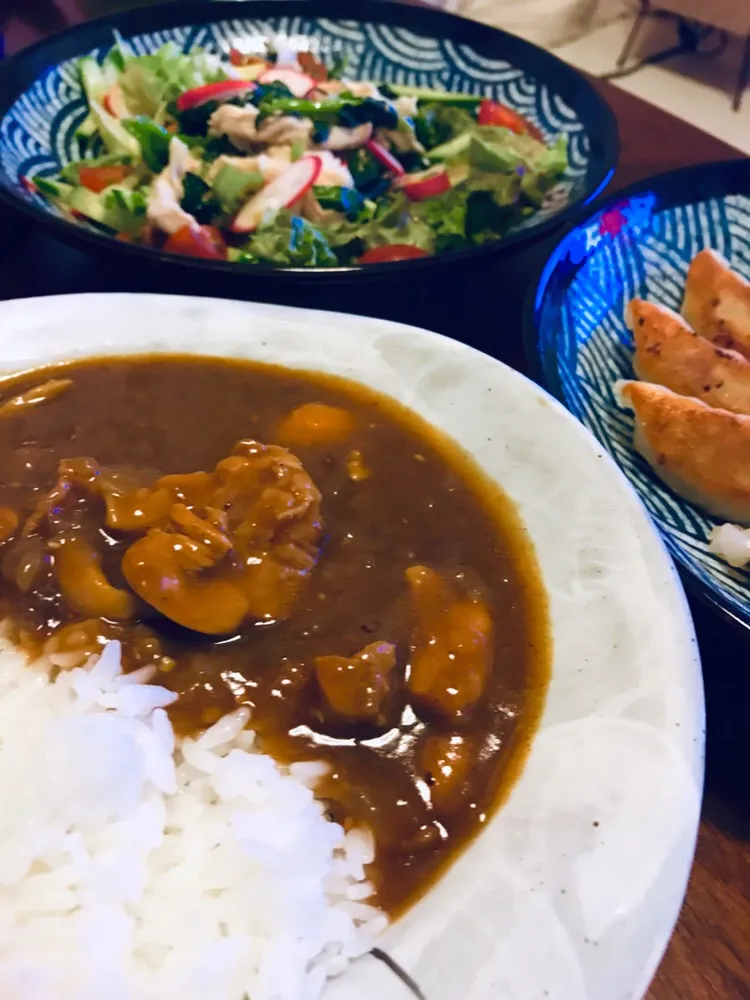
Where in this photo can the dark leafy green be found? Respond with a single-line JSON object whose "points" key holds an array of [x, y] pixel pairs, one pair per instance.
{"points": [[47, 185], [365, 170], [413, 162], [343, 109], [154, 141], [348, 201], [436, 124], [194, 121], [378, 113], [266, 92], [216, 146], [199, 200], [320, 133]]}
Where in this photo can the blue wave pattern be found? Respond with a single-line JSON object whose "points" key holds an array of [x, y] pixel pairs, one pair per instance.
{"points": [[37, 135], [645, 254]]}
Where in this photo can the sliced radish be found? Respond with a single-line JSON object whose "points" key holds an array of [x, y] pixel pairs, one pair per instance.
{"points": [[114, 102], [385, 156], [223, 90], [283, 192], [427, 184], [300, 84]]}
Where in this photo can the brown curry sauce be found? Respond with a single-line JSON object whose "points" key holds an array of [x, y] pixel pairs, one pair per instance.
{"points": [[395, 494]]}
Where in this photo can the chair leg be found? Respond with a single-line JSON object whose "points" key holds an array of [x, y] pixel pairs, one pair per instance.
{"points": [[630, 41], [742, 77]]}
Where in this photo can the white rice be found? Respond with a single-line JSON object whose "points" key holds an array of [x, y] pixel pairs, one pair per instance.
{"points": [[135, 869], [731, 543]]}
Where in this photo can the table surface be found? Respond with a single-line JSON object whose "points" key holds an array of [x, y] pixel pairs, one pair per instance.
{"points": [[709, 955]]}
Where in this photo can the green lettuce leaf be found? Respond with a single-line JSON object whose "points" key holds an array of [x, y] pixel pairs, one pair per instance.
{"points": [[291, 240], [153, 141], [436, 124], [151, 82], [446, 217], [126, 209]]}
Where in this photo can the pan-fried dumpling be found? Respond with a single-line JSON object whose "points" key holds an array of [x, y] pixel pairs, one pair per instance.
{"points": [[669, 353], [717, 302], [700, 452]]}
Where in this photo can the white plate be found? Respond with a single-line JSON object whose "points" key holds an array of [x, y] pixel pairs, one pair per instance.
{"points": [[572, 890]]}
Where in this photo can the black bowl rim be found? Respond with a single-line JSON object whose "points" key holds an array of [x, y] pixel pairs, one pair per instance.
{"points": [[19, 71], [683, 186]]}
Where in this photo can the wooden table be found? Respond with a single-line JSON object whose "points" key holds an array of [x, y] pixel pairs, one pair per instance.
{"points": [[709, 956]]}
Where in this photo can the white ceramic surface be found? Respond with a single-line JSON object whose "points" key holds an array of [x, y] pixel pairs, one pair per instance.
{"points": [[572, 890]]}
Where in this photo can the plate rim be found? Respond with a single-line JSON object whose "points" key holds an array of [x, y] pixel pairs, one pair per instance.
{"points": [[657, 557], [539, 364], [20, 71]]}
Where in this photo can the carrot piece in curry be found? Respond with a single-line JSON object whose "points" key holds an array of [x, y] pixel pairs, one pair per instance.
{"points": [[451, 644], [315, 424]]}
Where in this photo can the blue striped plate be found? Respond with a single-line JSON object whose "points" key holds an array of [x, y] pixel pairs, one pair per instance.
{"points": [[639, 244], [41, 102]]}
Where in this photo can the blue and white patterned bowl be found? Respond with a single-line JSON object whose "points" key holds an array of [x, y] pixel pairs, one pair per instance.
{"points": [[639, 244], [41, 103]]}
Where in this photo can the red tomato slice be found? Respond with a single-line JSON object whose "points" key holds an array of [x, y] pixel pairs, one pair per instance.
{"points": [[392, 252], [99, 178], [202, 241], [427, 184], [494, 113]]}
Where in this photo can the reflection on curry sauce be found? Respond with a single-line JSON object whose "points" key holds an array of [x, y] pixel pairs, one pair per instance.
{"points": [[297, 544]]}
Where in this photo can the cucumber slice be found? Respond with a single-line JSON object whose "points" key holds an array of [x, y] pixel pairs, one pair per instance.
{"points": [[437, 96]]}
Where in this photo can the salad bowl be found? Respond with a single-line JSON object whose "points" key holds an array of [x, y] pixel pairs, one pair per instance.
{"points": [[76, 160]]}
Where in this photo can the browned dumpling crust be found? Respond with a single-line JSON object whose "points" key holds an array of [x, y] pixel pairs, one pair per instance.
{"points": [[702, 453], [717, 302], [669, 353]]}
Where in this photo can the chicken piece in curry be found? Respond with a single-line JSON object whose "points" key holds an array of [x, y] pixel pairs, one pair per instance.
{"points": [[297, 544]]}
